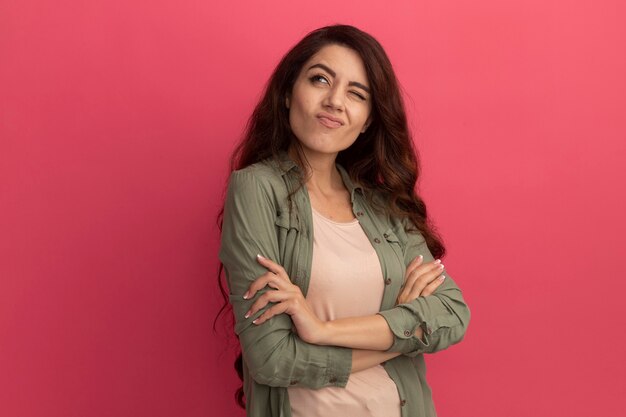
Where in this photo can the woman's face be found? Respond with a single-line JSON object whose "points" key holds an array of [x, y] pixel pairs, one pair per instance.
{"points": [[330, 103]]}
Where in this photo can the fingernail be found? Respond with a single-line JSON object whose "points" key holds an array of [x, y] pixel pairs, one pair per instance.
{"points": [[420, 257], [440, 266], [255, 320], [260, 257], [441, 278], [246, 295], [247, 315], [438, 261]]}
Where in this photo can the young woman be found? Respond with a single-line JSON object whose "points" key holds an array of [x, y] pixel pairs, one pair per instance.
{"points": [[327, 248]]}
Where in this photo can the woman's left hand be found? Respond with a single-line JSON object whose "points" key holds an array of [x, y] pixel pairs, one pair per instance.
{"points": [[288, 298]]}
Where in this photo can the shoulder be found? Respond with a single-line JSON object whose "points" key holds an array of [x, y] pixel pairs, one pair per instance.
{"points": [[263, 178], [266, 168], [378, 203], [396, 227]]}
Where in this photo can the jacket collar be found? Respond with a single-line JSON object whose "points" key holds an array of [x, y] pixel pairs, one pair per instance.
{"points": [[285, 164]]}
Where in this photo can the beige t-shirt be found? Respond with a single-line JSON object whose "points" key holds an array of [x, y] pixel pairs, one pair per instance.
{"points": [[346, 281]]}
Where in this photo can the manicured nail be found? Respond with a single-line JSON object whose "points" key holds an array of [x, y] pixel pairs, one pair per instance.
{"points": [[420, 257], [440, 266], [438, 261], [260, 257], [255, 320], [442, 277], [246, 295], [247, 315]]}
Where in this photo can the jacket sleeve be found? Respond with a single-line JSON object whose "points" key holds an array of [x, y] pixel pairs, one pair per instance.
{"points": [[273, 353], [443, 315]]}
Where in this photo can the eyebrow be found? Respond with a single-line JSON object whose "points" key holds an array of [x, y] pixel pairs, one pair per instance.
{"points": [[333, 73]]}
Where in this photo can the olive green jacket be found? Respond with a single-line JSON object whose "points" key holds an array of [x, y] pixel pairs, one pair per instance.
{"points": [[258, 220]]}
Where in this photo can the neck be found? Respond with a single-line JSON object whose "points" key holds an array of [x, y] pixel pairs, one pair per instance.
{"points": [[320, 171]]}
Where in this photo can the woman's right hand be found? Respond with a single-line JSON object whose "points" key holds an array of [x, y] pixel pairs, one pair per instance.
{"points": [[421, 279], [288, 299]]}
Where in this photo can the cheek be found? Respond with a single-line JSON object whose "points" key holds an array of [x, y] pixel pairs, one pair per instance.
{"points": [[298, 120], [295, 114], [362, 117], [299, 111]]}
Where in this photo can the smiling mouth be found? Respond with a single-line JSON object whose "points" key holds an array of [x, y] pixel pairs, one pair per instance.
{"points": [[331, 124]]}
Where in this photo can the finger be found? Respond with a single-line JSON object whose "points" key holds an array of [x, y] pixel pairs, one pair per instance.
{"points": [[263, 300], [423, 280], [420, 277], [417, 261], [277, 283], [413, 275], [271, 266], [257, 284], [270, 312], [268, 278], [430, 288]]}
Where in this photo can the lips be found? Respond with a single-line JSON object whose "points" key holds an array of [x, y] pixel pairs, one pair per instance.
{"points": [[329, 121]]}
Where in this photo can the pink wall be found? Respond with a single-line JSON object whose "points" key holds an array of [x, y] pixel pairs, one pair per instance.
{"points": [[116, 122]]}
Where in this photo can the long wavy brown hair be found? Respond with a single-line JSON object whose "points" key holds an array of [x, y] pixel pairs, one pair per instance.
{"points": [[382, 159]]}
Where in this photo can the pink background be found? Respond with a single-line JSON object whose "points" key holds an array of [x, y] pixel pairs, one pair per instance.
{"points": [[117, 119]]}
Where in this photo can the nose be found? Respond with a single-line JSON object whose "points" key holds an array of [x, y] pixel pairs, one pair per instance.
{"points": [[334, 98]]}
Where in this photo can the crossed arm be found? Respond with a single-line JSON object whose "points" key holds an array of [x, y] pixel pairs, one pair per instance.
{"points": [[274, 354], [369, 336]]}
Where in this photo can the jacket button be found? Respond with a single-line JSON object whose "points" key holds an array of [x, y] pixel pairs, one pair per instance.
{"points": [[359, 213], [377, 240], [388, 281], [407, 333], [332, 380], [294, 382], [402, 403], [385, 235]]}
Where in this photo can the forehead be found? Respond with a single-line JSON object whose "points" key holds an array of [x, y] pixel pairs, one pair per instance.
{"points": [[344, 61]]}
